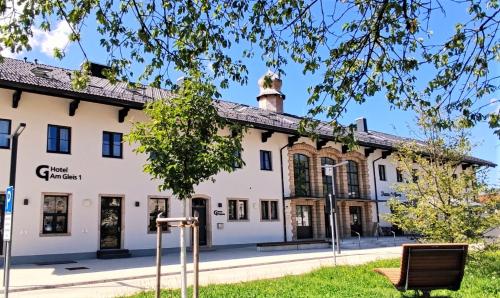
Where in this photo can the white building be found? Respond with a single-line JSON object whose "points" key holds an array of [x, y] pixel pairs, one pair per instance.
{"points": [[80, 190]]}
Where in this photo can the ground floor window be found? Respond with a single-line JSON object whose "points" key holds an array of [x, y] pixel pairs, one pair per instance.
{"points": [[237, 209], [155, 207], [269, 210], [55, 214]]}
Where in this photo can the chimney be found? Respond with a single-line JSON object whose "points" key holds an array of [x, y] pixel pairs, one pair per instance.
{"points": [[270, 97], [361, 125], [96, 70]]}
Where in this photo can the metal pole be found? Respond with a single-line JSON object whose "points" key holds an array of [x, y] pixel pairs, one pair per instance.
{"points": [[196, 258], [158, 258], [336, 224], [331, 228], [183, 261], [12, 182]]}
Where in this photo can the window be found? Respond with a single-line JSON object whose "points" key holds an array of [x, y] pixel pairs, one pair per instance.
{"points": [[112, 144], [414, 175], [59, 139], [327, 179], [155, 206], [265, 160], [236, 164], [352, 179], [301, 175], [268, 210], [5, 133], [399, 175], [381, 172], [237, 209], [55, 214]]}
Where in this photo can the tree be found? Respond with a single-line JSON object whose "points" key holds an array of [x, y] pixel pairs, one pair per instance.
{"points": [[442, 200], [363, 49], [186, 140], [187, 143]]}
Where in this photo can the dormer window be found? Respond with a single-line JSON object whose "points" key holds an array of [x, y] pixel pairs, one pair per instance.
{"points": [[41, 72]]}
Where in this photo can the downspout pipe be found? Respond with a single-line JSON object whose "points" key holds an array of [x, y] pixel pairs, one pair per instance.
{"points": [[283, 192], [375, 187]]}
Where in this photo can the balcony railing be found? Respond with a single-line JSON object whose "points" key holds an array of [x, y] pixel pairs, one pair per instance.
{"points": [[321, 195]]}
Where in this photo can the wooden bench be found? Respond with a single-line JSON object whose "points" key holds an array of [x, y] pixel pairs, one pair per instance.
{"points": [[427, 267]]}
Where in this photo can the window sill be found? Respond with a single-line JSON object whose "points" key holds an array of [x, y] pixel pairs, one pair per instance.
{"points": [[163, 232], [55, 235], [238, 220], [270, 220], [57, 152]]}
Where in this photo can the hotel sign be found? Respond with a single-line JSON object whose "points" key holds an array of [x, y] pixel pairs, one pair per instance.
{"points": [[47, 173]]}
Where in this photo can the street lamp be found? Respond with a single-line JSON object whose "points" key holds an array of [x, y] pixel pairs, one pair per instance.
{"points": [[333, 214], [12, 182]]}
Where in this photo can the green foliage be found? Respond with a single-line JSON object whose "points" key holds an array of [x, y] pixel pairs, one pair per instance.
{"points": [[443, 201], [362, 48], [480, 280], [185, 139]]}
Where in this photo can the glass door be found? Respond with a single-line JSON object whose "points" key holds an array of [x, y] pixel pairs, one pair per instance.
{"points": [[111, 212], [200, 206], [304, 222], [355, 212]]}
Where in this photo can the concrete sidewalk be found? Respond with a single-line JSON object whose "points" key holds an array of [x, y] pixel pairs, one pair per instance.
{"points": [[109, 278]]}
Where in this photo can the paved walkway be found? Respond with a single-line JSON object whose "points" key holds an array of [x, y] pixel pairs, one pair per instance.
{"points": [[110, 278]]}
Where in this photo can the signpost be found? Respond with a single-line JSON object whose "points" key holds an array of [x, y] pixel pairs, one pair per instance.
{"points": [[7, 235], [329, 171], [9, 208]]}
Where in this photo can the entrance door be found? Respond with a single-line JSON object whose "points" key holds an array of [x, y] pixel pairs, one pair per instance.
{"points": [[2, 214], [355, 212], [304, 222], [200, 206], [111, 215]]}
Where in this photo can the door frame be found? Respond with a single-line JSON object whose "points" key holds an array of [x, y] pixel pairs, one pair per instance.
{"points": [[208, 209], [311, 227], [122, 217]]}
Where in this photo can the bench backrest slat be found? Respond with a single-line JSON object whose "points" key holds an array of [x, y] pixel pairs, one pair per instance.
{"points": [[432, 266]]}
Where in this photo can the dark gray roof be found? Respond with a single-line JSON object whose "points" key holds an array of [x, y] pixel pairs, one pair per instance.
{"points": [[50, 80]]}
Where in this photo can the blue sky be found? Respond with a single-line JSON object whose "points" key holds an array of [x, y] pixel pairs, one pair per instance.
{"points": [[377, 110]]}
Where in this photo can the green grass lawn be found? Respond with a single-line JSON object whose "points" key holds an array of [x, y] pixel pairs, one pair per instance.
{"points": [[482, 279]]}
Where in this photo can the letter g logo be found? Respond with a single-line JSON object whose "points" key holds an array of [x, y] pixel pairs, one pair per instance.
{"points": [[42, 171]]}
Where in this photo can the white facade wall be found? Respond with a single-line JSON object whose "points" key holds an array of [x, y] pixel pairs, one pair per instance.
{"points": [[120, 177]]}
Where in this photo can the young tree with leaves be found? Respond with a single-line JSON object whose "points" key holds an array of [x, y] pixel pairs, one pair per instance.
{"points": [[186, 142], [442, 200], [362, 49]]}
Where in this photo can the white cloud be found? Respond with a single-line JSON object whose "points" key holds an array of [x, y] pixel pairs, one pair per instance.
{"points": [[43, 41], [46, 41]]}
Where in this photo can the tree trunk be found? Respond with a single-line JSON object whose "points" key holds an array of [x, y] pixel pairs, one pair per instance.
{"points": [[183, 254]]}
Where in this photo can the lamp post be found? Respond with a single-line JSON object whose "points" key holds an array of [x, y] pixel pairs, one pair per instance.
{"points": [[333, 214], [12, 182]]}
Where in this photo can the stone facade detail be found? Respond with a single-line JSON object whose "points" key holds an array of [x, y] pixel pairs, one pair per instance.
{"points": [[316, 182]]}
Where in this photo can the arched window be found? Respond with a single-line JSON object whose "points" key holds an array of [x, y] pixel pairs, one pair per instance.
{"points": [[327, 179], [353, 179], [301, 175]]}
